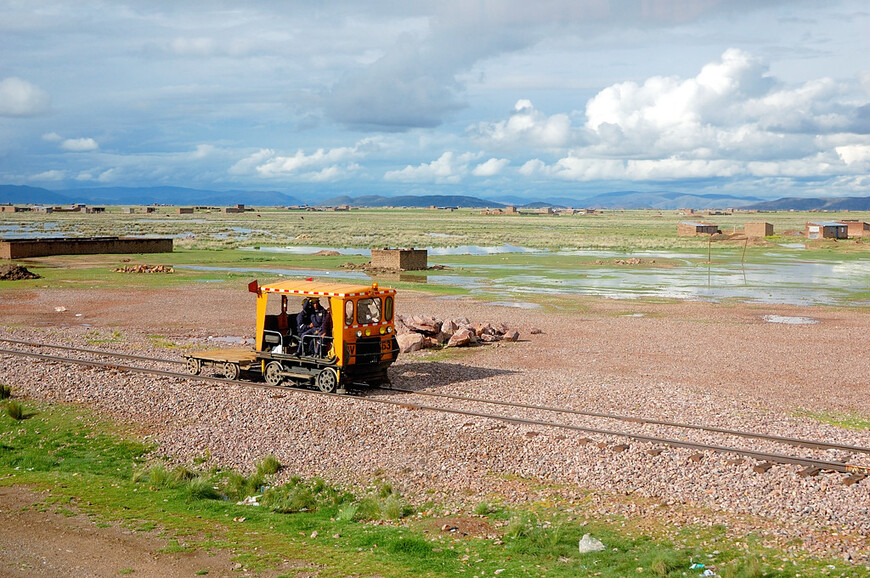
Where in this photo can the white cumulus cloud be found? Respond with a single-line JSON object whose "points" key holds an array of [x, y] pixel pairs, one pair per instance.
{"points": [[79, 145], [490, 168], [319, 165], [21, 98], [448, 168], [526, 127]]}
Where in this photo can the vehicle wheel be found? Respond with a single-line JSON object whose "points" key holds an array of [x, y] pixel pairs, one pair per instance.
{"points": [[232, 370], [194, 366], [273, 369], [327, 380]]}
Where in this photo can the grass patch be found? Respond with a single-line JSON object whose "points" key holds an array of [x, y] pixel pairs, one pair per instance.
{"points": [[92, 463], [851, 421], [15, 410]]}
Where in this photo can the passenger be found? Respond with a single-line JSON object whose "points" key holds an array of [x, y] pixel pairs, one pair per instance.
{"points": [[324, 332], [303, 319], [313, 327]]}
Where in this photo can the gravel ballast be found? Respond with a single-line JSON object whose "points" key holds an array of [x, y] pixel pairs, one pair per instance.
{"points": [[721, 365]]}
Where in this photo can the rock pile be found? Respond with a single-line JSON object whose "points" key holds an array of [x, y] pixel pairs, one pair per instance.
{"points": [[144, 269], [15, 273], [422, 331]]}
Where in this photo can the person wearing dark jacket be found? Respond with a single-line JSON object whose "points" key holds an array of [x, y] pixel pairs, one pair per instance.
{"points": [[319, 323]]}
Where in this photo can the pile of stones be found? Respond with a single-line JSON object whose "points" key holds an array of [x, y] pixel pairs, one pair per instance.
{"points": [[422, 331], [144, 269]]}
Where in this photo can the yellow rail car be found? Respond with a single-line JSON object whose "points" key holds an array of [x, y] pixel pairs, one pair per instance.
{"points": [[356, 345]]}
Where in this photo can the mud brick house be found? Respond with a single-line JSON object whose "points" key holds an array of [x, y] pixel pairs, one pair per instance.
{"points": [[401, 259], [692, 229], [758, 229], [856, 228], [826, 230]]}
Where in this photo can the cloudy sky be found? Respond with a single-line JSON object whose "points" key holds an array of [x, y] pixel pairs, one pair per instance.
{"points": [[503, 99]]}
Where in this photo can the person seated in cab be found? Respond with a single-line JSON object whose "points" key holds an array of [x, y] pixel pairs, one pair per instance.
{"points": [[318, 323]]}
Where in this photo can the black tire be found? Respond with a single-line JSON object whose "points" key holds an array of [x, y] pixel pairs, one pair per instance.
{"points": [[272, 373], [327, 380]]}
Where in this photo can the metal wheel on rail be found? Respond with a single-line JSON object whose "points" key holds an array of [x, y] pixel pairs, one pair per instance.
{"points": [[327, 380], [194, 366], [232, 370], [273, 373]]}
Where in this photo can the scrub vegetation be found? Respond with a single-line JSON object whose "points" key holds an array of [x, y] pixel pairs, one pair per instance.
{"points": [[92, 466]]}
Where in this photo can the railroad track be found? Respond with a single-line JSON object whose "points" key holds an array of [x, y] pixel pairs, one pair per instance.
{"points": [[812, 465]]}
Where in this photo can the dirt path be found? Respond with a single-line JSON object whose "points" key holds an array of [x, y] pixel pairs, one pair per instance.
{"points": [[49, 543]]}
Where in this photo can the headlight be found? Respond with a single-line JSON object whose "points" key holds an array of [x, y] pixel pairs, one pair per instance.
{"points": [[383, 329], [368, 332], [390, 329], [359, 333]]}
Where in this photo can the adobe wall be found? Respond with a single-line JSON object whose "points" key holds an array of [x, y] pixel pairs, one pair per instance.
{"points": [[24, 248], [758, 229], [401, 259]]}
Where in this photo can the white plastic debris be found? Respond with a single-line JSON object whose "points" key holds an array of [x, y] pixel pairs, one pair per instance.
{"points": [[589, 544], [250, 501], [60, 309]]}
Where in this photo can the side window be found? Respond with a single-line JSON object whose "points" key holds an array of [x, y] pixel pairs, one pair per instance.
{"points": [[348, 313], [368, 311], [388, 309]]}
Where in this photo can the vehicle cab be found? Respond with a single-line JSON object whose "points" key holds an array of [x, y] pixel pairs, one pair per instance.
{"points": [[358, 346]]}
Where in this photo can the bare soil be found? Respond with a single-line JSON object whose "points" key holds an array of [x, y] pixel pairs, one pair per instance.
{"points": [[35, 541]]}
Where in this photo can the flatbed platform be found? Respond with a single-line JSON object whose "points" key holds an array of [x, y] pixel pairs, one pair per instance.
{"points": [[231, 361]]}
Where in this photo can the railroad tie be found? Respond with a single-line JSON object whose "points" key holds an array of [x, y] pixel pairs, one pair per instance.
{"points": [[853, 479], [696, 457], [619, 448], [809, 472], [655, 451], [735, 461], [762, 467]]}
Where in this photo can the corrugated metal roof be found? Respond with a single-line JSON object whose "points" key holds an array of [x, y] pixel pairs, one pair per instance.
{"points": [[827, 224]]}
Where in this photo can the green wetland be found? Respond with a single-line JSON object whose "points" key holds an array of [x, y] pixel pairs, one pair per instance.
{"points": [[503, 258]]}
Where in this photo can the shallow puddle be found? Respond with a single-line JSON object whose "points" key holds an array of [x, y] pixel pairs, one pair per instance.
{"points": [[784, 319]]}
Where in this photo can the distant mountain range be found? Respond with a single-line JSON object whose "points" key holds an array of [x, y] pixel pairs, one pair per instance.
{"points": [[18, 194], [143, 196]]}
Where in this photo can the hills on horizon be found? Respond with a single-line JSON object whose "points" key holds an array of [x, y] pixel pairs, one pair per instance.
{"points": [[179, 196]]}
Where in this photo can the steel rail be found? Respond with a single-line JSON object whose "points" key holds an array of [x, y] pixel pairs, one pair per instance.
{"points": [[770, 457], [814, 444], [94, 351]]}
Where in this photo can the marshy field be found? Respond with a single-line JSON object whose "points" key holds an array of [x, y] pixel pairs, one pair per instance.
{"points": [[109, 472]]}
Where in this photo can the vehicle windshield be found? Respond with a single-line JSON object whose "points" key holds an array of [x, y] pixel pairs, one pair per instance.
{"points": [[368, 311]]}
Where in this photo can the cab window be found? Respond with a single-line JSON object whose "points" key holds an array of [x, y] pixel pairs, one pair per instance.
{"points": [[368, 311], [388, 308], [348, 313]]}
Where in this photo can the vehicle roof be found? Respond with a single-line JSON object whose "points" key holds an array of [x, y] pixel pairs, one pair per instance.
{"points": [[322, 288]]}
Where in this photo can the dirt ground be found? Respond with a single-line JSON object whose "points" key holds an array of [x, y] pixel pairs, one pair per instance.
{"points": [[35, 541], [722, 349]]}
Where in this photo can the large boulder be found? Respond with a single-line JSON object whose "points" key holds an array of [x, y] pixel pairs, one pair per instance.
{"points": [[462, 337], [410, 341], [423, 324]]}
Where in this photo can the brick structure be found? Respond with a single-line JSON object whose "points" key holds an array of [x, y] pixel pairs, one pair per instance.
{"points": [[24, 248], [856, 228], [401, 259], [758, 229], [826, 230], [12, 209], [185, 210], [691, 229]]}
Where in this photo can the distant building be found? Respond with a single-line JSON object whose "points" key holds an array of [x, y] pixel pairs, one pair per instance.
{"points": [[185, 210], [401, 259], [826, 230], [758, 229], [856, 228], [692, 229]]}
